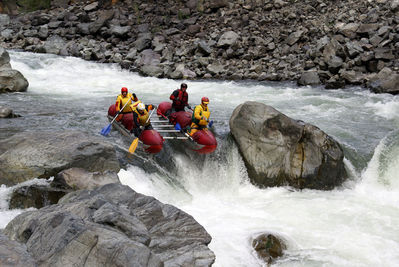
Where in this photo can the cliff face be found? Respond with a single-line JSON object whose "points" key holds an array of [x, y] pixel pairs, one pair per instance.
{"points": [[335, 43]]}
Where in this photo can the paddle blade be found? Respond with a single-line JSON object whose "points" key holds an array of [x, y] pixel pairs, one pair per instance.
{"points": [[133, 146], [105, 131], [177, 127], [210, 124]]}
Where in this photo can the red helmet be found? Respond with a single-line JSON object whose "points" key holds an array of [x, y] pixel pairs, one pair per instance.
{"points": [[124, 89], [205, 100]]}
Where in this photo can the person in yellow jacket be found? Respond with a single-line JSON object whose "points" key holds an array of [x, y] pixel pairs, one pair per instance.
{"points": [[200, 117], [121, 100], [141, 118]]}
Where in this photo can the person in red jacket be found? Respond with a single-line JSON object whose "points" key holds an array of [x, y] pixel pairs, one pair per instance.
{"points": [[180, 99]]}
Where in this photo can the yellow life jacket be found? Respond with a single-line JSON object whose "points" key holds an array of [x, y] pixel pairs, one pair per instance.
{"points": [[200, 112], [143, 117], [121, 101], [134, 105]]}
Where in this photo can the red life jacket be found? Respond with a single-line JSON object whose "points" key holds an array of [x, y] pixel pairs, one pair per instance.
{"points": [[183, 99]]}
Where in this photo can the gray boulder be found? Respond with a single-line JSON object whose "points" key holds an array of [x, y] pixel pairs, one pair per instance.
{"points": [[12, 81], [309, 78], [386, 81], [78, 178], [112, 226], [29, 155], [278, 150], [228, 39], [13, 253], [7, 113]]}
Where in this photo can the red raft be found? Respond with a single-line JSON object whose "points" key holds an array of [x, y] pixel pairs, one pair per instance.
{"points": [[152, 140], [204, 139]]}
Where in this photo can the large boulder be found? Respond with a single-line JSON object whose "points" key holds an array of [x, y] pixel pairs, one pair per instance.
{"points": [[13, 253], [112, 226], [10, 80], [43, 154], [279, 150]]}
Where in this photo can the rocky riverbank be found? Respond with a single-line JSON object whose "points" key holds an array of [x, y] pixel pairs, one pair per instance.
{"points": [[335, 43]]}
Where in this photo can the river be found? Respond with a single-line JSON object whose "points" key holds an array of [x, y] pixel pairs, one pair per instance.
{"points": [[356, 224]]}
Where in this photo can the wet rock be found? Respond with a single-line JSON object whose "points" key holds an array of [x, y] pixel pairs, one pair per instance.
{"points": [[7, 113], [88, 228], [12, 81], [35, 196], [43, 154], [13, 253], [268, 247], [78, 178], [278, 150]]}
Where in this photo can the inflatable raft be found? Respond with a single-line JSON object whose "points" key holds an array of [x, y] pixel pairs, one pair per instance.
{"points": [[204, 139], [151, 139]]}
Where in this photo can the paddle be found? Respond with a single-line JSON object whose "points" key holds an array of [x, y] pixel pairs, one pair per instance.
{"points": [[105, 131], [178, 127], [135, 142]]}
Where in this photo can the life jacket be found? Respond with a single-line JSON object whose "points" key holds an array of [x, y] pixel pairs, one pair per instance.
{"points": [[200, 112], [183, 99], [133, 106], [142, 118], [121, 101]]}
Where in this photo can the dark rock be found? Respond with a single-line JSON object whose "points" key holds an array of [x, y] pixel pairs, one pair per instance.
{"points": [[268, 247], [35, 196]]}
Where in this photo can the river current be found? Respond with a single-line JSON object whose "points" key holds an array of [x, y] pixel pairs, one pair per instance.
{"points": [[356, 224]]}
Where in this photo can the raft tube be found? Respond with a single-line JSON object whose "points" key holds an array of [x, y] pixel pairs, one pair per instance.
{"points": [[152, 140], [204, 138]]}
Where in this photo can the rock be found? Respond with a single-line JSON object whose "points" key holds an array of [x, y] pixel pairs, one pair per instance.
{"points": [[294, 37], [183, 72], [54, 45], [7, 113], [88, 228], [120, 31], [216, 4], [151, 70], [268, 247], [103, 18], [352, 77], [33, 154], [4, 57], [385, 82], [12, 81], [349, 30], [78, 178], [334, 64], [309, 78], [13, 253], [91, 7], [4, 20], [35, 196], [142, 43], [278, 150], [204, 48], [227, 39]]}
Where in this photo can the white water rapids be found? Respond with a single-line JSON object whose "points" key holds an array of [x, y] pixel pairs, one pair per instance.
{"points": [[354, 225]]}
